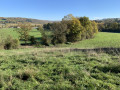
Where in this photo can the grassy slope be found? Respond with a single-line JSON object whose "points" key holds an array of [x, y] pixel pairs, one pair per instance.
{"points": [[38, 69]]}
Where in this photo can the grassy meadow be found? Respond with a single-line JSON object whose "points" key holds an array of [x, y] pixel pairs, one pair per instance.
{"points": [[13, 32], [101, 40], [56, 69], [59, 68]]}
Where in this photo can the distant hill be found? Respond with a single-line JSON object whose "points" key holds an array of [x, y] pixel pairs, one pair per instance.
{"points": [[5, 20], [14, 20], [109, 20]]}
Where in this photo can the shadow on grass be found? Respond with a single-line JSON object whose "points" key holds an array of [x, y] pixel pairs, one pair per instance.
{"points": [[115, 68], [107, 31], [38, 41]]}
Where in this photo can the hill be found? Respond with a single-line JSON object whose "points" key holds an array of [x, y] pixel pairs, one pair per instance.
{"points": [[5, 20], [109, 20]]}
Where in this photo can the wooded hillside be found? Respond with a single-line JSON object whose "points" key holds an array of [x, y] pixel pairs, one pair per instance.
{"points": [[6, 20]]}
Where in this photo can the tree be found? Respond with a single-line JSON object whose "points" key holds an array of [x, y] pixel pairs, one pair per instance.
{"points": [[109, 27], [68, 17], [74, 30], [40, 28], [45, 38], [89, 28], [114, 26], [24, 31], [59, 32], [101, 26], [84, 21], [47, 26], [95, 27]]}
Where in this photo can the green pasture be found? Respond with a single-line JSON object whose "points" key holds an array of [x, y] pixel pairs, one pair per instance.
{"points": [[13, 32], [41, 69], [101, 40], [57, 68]]}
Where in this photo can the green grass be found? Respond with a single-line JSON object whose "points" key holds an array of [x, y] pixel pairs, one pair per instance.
{"points": [[101, 40], [9, 31], [12, 32], [58, 69], [48, 69], [2, 20]]}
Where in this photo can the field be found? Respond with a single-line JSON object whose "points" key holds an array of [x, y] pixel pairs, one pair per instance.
{"points": [[57, 69], [65, 67], [13, 32], [101, 40]]}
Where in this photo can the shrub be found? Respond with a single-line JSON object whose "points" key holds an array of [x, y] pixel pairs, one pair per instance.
{"points": [[61, 39], [2, 39], [1, 43], [45, 40], [11, 43], [40, 28], [15, 44]]}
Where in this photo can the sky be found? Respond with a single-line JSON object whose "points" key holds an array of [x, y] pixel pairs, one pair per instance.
{"points": [[57, 9]]}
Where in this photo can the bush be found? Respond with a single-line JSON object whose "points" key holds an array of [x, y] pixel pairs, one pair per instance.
{"points": [[2, 39], [61, 39], [45, 40], [15, 43], [11, 43]]}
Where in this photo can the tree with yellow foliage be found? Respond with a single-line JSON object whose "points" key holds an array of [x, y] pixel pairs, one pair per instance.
{"points": [[74, 30]]}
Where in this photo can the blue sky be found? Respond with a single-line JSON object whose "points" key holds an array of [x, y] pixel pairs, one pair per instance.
{"points": [[57, 9]]}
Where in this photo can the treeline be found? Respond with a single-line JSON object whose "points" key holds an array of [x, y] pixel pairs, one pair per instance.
{"points": [[70, 29], [109, 27], [108, 20]]}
